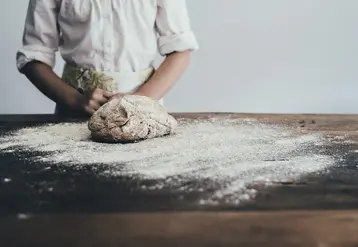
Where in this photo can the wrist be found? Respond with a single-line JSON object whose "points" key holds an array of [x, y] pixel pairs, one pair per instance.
{"points": [[74, 100]]}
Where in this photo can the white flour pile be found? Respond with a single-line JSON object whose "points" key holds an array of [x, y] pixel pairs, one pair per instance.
{"points": [[228, 156]]}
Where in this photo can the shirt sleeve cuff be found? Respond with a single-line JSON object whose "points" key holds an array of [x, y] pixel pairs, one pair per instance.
{"points": [[177, 42], [24, 57]]}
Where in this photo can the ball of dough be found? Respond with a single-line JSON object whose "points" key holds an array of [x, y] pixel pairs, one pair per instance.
{"points": [[131, 118]]}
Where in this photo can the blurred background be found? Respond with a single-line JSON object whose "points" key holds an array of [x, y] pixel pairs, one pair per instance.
{"points": [[256, 56]]}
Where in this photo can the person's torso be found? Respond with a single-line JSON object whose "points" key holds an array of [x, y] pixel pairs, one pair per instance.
{"points": [[108, 35]]}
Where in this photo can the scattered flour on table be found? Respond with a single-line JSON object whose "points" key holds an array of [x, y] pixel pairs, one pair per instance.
{"points": [[226, 155]]}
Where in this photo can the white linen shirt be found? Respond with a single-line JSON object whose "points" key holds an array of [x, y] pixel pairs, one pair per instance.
{"points": [[105, 35]]}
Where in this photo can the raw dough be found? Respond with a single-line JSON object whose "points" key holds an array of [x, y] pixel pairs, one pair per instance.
{"points": [[129, 119]]}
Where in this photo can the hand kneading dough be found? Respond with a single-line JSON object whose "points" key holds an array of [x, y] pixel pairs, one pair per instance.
{"points": [[129, 119]]}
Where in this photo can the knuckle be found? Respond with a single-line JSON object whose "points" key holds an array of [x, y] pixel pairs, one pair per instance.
{"points": [[95, 105], [95, 95], [98, 91], [91, 103]]}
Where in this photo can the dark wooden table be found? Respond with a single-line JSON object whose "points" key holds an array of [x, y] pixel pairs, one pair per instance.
{"points": [[317, 211]]}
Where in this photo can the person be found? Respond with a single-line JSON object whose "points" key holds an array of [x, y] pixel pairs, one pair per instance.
{"points": [[109, 48]]}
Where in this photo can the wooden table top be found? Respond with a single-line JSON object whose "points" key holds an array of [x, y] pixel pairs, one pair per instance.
{"points": [[320, 211]]}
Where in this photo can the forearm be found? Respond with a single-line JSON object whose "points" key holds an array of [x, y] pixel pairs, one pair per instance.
{"points": [[165, 76], [46, 81]]}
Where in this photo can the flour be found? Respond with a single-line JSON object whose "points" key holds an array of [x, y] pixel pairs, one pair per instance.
{"points": [[224, 156]]}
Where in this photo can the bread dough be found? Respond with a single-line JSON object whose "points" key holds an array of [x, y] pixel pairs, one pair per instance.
{"points": [[131, 118]]}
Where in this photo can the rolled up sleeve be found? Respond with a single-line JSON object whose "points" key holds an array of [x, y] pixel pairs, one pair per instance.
{"points": [[41, 36], [174, 28]]}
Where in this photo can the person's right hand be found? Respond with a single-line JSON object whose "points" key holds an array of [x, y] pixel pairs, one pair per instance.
{"points": [[94, 100]]}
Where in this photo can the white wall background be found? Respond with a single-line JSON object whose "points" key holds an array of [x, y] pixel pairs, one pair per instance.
{"points": [[262, 56]]}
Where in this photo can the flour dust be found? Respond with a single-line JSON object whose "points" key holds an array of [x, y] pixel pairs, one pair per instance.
{"points": [[226, 155]]}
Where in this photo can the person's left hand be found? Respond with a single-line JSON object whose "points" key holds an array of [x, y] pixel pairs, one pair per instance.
{"points": [[117, 96]]}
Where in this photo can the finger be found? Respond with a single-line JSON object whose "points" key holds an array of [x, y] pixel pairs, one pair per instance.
{"points": [[99, 99], [89, 93], [107, 94], [98, 90], [117, 96], [94, 105], [89, 111], [102, 100], [113, 98], [97, 93], [102, 96]]}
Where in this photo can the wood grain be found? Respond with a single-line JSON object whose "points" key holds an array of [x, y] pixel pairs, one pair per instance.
{"points": [[306, 228], [277, 227]]}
